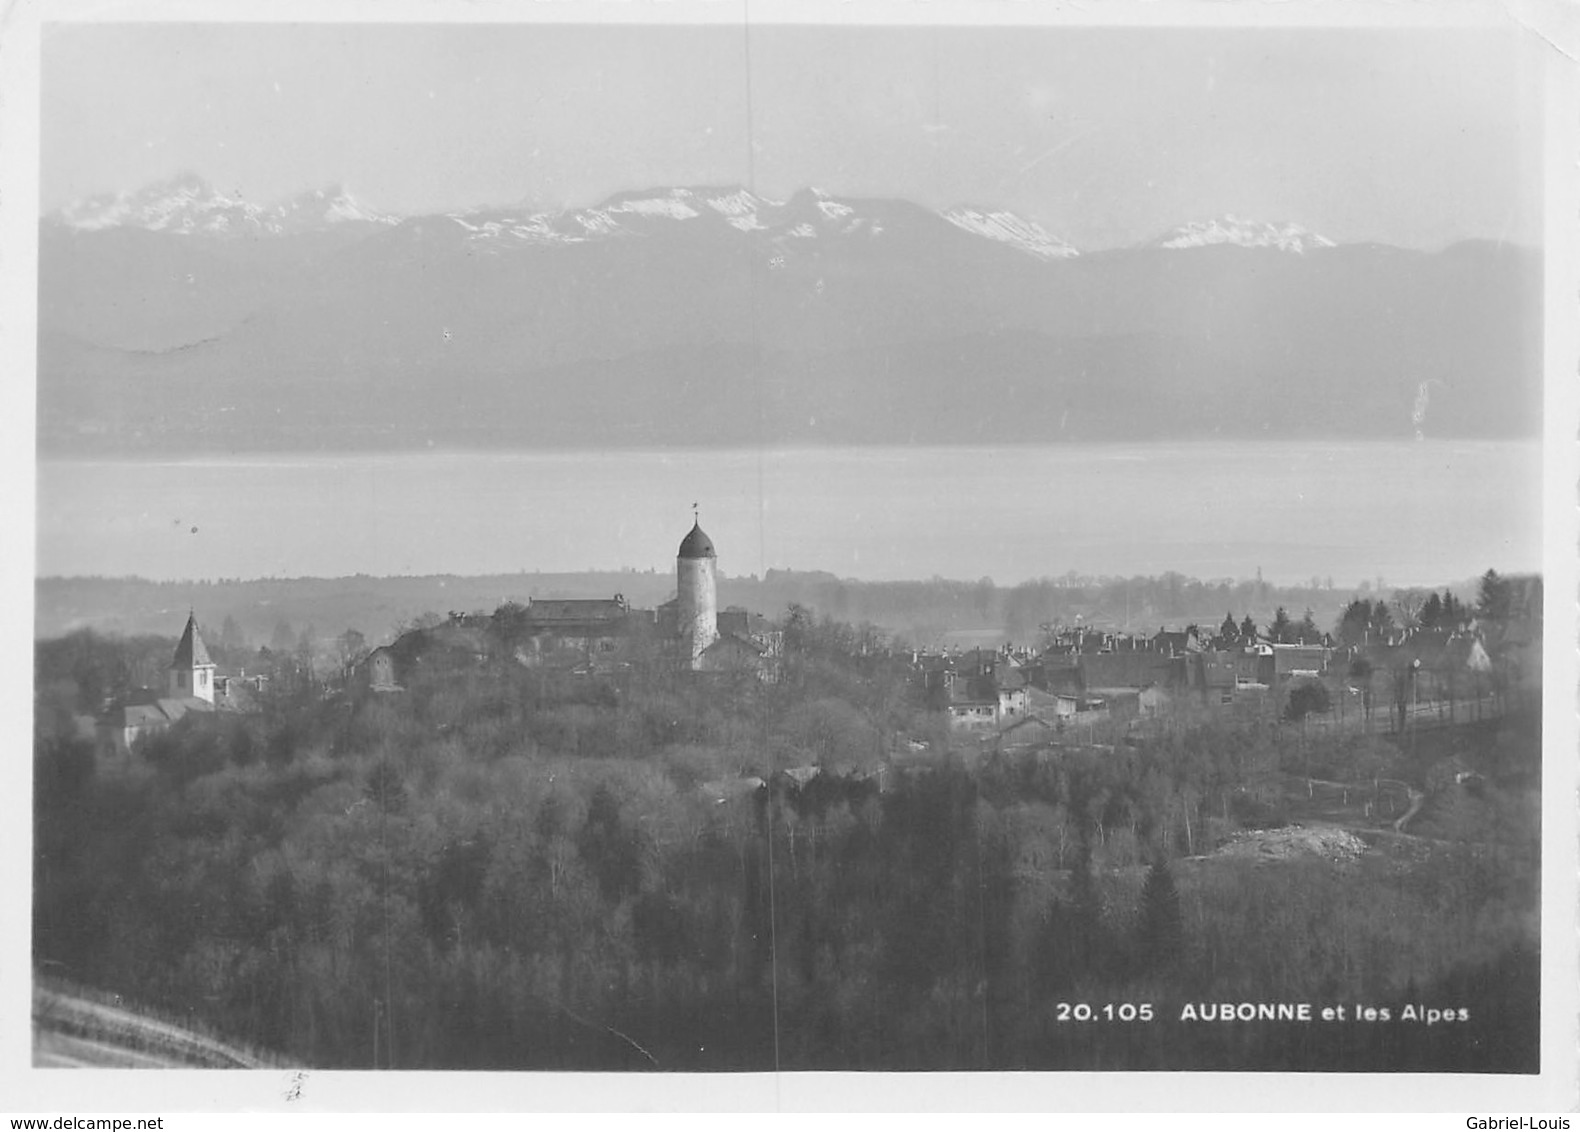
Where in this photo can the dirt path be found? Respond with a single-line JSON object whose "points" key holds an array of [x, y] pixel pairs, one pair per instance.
{"points": [[70, 1030], [1416, 797], [62, 1051]]}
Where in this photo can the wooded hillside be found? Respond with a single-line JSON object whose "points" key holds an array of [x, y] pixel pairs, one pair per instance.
{"points": [[507, 868]]}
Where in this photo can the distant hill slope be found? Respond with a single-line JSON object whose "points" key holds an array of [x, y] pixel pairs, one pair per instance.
{"points": [[711, 317], [922, 611]]}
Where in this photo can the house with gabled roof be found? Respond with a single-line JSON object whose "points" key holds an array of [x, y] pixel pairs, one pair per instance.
{"points": [[1292, 661], [582, 631], [190, 689], [1177, 642], [1030, 729], [972, 703], [746, 643], [378, 670]]}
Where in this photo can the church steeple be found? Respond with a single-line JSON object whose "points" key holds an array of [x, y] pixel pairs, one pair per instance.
{"points": [[192, 671]]}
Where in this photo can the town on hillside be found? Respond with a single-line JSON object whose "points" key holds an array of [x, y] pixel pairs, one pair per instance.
{"points": [[1389, 668], [583, 834]]}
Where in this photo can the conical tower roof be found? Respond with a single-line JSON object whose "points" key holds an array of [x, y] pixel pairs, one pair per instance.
{"points": [[697, 544], [191, 652]]}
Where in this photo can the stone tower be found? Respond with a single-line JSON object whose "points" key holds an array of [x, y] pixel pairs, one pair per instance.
{"points": [[697, 595], [192, 672]]}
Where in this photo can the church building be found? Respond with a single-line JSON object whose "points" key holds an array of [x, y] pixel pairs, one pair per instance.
{"points": [[190, 685]]}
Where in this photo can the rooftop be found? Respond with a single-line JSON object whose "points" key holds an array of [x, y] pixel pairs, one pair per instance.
{"points": [[696, 544], [577, 609], [191, 652]]}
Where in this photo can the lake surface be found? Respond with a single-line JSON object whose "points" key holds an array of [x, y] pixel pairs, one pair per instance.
{"points": [[1411, 513]]}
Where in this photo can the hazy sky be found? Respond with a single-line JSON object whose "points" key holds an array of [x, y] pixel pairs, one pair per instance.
{"points": [[1106, 136]]}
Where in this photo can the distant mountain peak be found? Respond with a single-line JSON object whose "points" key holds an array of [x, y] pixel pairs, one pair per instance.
{"points": [[1008, 228], [183, 203], [740, 207], [332, 204], [188, 204], [1242, 232]]}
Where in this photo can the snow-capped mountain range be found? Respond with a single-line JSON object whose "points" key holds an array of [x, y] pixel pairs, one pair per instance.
{"points": [[806, 215], [1243, 233], [181, 318], [1007, 228], [189, 205], [635, 213]]}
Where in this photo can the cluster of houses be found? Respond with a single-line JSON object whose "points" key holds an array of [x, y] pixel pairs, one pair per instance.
{"points": [[1085, 676], [1019, 696]]}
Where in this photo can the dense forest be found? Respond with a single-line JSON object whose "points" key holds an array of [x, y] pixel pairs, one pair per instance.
{"points": [[510, 868]]}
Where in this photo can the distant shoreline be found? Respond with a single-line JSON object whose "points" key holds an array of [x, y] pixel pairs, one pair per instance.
{"points": [[1426, 512], [923, 611], [274, 457]]}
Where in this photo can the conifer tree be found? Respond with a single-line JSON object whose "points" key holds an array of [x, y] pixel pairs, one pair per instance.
{"points": [[1161, 928], [1431, 615], [1494, 599]]}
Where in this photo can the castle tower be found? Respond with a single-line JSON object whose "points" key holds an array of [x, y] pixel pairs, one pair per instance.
{"points": [[697, 595], [192, 672]]}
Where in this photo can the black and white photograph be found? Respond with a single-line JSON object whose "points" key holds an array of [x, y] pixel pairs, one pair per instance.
{"points": [[701, 541]]}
